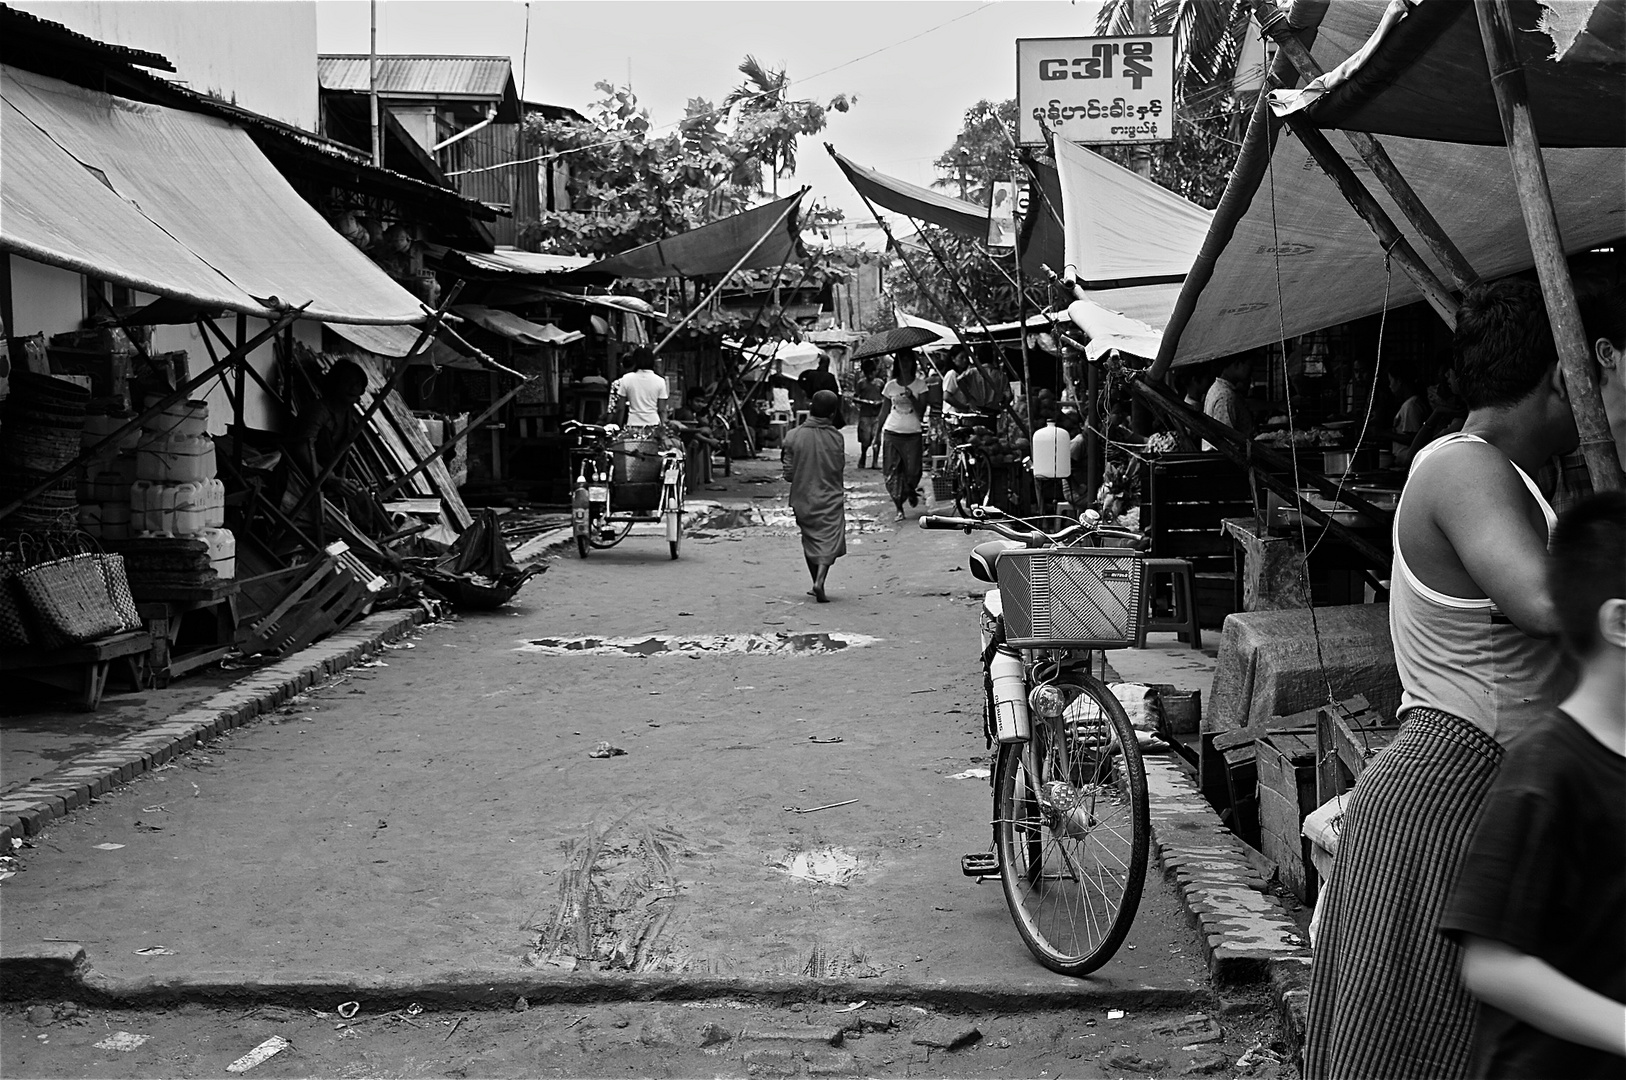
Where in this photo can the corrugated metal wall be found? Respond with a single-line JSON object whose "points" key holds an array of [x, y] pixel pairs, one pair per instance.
{"points": [[514, 186]]}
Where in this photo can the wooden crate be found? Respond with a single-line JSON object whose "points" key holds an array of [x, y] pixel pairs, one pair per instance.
{"points": [[1286, 767], [1349, 736]]}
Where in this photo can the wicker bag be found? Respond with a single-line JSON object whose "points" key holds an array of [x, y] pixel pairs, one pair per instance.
{"points": [[118, 591], [69, 600], [14, 632]]}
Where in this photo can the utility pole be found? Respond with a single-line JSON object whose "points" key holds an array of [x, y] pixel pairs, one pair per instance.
{"points": [[1140, 155], [372, 90], [964, 157]]}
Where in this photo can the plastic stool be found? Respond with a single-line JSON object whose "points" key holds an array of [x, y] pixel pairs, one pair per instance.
{"points": [[1184, 618]]}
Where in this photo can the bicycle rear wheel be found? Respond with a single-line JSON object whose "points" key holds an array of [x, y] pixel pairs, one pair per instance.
{"points": [[1073, 839]]}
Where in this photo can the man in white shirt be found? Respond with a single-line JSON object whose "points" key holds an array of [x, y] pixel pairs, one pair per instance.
{"points": [[1224, 401], [642, 392]]}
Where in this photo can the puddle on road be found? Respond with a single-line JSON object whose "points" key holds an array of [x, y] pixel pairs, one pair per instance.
{"points": [[662, 644], [825, 866]]}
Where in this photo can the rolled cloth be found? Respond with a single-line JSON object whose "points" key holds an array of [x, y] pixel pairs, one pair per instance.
{"points": [[825, 404]]}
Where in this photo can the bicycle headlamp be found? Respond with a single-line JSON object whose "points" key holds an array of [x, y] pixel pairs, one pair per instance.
{"points": [[1052, 699]]}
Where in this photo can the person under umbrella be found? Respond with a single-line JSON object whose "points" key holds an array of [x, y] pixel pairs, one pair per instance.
{"points": [[814, 459], [902, 430]]}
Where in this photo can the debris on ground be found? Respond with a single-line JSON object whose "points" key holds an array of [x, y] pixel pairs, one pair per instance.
{"points": [[276, 1044], [124, 1040], [604, 750], [946, 1035], [823, 866]]}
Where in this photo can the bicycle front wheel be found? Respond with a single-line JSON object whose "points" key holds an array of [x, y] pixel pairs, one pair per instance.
{"points": [[1072, 832]]}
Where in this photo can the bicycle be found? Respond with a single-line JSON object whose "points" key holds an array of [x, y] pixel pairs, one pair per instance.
{"points": [[598, 520], [971, 475], [1071, 825]]}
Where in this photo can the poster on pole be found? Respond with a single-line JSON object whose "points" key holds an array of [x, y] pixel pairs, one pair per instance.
{"points": [[1002, 214], [1095, 90]]}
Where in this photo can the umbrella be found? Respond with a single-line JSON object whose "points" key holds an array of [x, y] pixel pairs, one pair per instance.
{"points": [[887, 341]]}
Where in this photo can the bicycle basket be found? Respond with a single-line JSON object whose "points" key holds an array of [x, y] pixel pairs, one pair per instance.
{"points": [[1071, 598]]}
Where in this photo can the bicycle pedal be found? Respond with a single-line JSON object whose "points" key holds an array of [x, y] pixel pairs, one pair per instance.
{"points": [[980, 864]]}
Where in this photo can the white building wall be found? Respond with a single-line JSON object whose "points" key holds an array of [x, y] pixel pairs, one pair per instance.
{"points": [[44, 299], [260, 55]]}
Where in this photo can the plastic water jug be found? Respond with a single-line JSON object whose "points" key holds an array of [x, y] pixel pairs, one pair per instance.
{"points": [[222, 551], [187, 418], [1052, 451], [1010, 698], [190, 512], [152, 508], [174, 459], [214, 504]]}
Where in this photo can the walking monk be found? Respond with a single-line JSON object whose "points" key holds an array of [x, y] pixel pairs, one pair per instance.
{"points": [[814, 459]]}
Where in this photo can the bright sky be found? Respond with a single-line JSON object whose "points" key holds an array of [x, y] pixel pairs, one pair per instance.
{"points": [[914, 65]]}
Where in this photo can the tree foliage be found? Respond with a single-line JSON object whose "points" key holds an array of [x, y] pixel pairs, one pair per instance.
{"points": [[984, 143], [630, 184], [1207, 41]]}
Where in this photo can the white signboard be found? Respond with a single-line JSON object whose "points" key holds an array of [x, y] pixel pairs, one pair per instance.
{"points": [[1095, 90]]}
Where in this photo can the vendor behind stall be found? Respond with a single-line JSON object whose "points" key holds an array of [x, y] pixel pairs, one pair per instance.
{"points": [[1226, 400], [325, 432]]}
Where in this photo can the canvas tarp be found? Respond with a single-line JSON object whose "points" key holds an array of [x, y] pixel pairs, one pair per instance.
{"points": [[1282, 223], [912, 200], [1043, 244], [173, 203], [794, 357], [1121, 229], [519, 330], [447, 350], [1392, 85], [713, 249], [1108, 330]]}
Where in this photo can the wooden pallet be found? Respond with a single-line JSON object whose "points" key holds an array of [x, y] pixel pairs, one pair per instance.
{"points": [[82, 669], [1287, 792], [329, 594]]}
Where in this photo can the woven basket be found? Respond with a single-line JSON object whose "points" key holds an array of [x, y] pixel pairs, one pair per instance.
{"points": [[118, 591], [69, 600], [14, 632]]}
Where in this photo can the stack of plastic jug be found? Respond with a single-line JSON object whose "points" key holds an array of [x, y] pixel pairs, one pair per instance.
{"points": [[104, 486], [175, 491]]}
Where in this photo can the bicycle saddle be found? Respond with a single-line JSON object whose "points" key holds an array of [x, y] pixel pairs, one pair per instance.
{"points": [[985, 554]]}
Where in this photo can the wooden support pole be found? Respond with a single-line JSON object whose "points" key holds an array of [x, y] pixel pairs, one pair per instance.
{"points": [[1274, 22], [1393, 240], [1541, 222], [178, 394]]}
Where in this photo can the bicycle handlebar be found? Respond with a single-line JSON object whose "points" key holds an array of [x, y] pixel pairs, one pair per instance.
{"points": [[1070, 535]]}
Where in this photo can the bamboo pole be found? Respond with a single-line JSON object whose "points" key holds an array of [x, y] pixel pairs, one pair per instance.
{"points": [[163, 403], [1541, 222], [1393, 240], [752, 250], [1274, 22]]}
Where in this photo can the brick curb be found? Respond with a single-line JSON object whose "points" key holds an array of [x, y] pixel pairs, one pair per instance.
{"points": [[27, 810], [1245, 934], [63, 971]]}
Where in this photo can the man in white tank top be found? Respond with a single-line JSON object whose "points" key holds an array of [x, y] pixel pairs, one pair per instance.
{"points": [[1472, 625]]}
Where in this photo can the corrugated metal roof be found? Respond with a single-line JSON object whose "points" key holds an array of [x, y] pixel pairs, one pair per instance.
{"points": [[488, 77]]}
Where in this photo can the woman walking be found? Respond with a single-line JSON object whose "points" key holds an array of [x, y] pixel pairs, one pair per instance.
{"points": [[902, 412]]}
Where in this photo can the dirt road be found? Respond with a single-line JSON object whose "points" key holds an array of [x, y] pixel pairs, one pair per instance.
{"points": [[439, 815]]}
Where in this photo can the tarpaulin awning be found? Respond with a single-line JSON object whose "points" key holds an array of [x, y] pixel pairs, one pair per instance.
{"points": [[1422, 75], [1282, 223], [714, 249], [507, 261], [519, 330], [912, 200], [1044, 244], [1107, 330], [173, 203], [794, 357], [447, 350], [945, 336], [1123, 230]]}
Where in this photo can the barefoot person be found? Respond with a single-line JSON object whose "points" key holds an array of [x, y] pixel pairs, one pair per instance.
{"points": [[1472, 621], [814, 459]]}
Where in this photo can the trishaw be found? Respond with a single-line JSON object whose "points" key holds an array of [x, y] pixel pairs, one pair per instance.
{"points": [[622, 480]]}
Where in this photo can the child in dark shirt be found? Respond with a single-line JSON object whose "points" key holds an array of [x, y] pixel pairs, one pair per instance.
{"points": [[1538, 905]]}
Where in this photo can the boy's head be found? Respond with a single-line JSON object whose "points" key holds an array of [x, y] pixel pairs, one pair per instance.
{"points": [[1586, 576], [1506, 359], [643, 358], [1603, 317]]}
